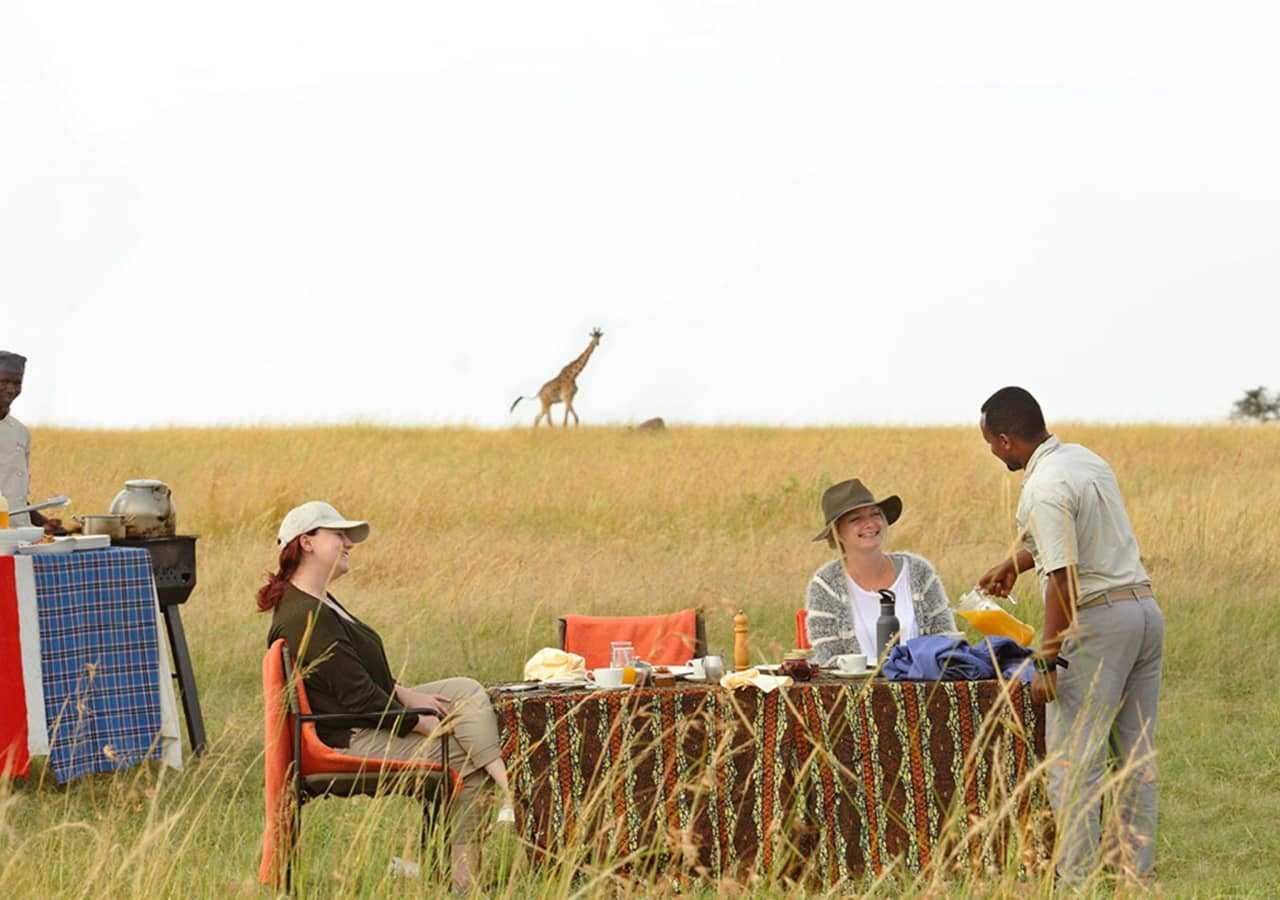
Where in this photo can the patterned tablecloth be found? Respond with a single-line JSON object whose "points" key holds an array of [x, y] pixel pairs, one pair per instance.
{"points": [[826, 780], [94, 681]]}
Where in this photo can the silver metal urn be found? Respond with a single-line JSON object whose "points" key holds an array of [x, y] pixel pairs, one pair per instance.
{"points": [[147, 507]]}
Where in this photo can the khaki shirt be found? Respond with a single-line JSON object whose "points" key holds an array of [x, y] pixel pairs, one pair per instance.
{"points": [[15, 466], [1070, 513]]}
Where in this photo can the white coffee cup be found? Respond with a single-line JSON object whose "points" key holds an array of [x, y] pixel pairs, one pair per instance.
{"points": [[608, 677], [851, 662], [699, 672]]}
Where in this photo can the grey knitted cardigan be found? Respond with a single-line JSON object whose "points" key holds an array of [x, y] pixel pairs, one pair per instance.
{"points": [[830, 615]]}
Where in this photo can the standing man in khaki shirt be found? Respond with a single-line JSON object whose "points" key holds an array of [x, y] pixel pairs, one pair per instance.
{"points": [[1098, 668]]}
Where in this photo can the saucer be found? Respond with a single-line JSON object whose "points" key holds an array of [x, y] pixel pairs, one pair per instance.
{"points": [[842, 674]]}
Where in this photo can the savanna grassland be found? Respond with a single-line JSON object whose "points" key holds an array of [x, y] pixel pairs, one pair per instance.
{"points": [[481, 538]]}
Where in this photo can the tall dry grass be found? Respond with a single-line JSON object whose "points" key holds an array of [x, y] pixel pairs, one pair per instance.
{"points": [[480, 539]]}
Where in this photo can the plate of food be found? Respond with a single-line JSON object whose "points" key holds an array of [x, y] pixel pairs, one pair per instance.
{"points": [[46, 548], [679, 671], [566, 682]]}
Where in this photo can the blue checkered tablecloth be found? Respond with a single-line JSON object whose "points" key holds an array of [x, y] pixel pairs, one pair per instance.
{"points": [[99, 648]]}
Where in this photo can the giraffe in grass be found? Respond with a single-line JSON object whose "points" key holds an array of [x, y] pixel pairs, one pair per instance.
{"points": [[564, 386]]}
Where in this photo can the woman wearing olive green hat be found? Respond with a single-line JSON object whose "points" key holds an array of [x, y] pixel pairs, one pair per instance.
{"points": [[843, 600]]}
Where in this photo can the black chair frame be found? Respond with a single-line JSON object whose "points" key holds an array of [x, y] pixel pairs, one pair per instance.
{"points": [[434, 788]]}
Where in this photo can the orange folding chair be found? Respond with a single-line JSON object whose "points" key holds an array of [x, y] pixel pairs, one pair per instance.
{"points": [[299, 767], [668, 640]]}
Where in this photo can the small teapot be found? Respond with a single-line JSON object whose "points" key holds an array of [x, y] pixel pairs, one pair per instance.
{"points": [[147, 507]]}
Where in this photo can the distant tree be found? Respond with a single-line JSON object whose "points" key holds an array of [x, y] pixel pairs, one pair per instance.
{"points": [[1257, 404]]}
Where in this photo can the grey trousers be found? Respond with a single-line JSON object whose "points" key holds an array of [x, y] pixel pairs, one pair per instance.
{"points": [[473, 744], [1107, 699]]}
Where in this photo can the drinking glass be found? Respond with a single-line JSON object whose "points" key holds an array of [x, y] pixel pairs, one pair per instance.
{"points": [[622, 656], [620, 653]]}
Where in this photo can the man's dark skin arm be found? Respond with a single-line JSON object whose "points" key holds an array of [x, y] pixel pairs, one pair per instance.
{"points": [[1059, 604]]}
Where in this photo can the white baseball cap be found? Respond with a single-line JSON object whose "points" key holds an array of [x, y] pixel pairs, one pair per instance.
{"points": [[318, 514]]}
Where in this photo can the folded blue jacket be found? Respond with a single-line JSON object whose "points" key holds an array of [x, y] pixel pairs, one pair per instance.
{"points": [[935, 657]]}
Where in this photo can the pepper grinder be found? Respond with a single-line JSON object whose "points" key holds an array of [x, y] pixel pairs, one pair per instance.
{"points": [[741, 652], [887, 626]]}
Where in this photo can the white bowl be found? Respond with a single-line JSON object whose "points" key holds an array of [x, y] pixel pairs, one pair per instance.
{"points": [[22, 535]]}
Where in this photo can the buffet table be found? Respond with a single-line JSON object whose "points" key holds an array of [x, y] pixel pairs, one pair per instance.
{"points": [[823, 781], [84, 677]]}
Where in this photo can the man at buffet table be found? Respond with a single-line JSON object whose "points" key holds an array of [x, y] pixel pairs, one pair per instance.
{"points": [[15, 446], [1101, 619]]}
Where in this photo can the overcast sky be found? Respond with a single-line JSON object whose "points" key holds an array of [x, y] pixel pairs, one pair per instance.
{"points": [[780, 214]]}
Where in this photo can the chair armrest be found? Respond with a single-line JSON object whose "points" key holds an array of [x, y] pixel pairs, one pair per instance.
{"points": [[356, 720]]}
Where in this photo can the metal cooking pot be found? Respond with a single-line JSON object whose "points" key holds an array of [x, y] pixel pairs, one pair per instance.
{"points": [[111, 526]]}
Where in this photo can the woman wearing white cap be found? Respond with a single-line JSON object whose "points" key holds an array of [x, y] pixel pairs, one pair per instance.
{"points": [[348, 672]]}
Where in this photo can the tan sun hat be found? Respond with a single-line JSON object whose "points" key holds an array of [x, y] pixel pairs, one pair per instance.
{"points": [[318, 514], [850, 495]]}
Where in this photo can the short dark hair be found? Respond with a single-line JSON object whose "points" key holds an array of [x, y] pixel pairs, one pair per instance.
{"points": [[1013, 411]]}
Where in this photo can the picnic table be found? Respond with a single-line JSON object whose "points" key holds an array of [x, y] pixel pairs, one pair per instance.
{"points": [[84, 676], [827, 780]]}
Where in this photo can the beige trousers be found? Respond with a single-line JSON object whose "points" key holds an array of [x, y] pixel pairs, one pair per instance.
{"points": [[473, 744]]}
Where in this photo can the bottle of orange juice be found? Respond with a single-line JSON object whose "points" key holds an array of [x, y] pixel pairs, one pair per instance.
{"points": [[984, 614], [4, 512]]}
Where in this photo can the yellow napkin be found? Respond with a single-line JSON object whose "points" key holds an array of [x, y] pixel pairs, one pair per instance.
{"points": [[550, 664], [756, 679]]}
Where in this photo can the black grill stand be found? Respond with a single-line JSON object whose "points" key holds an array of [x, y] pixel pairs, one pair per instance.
{"points": [[173, 564]]}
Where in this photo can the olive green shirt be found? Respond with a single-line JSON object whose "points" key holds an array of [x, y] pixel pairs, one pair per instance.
{"points": [[347, 669]]}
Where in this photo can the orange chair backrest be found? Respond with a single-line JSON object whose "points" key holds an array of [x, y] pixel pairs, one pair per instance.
{"points": [[662, 640], [802, 633]]}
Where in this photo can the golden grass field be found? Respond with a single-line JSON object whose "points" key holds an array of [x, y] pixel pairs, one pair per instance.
{"points": [[481, 538]]}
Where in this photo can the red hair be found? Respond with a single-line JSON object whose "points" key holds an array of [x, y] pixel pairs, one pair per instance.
{"points": [[290, 558]]}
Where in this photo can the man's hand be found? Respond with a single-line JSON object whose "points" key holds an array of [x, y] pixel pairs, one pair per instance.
{"points": [[999, 579], [1044, 687], [54, 526]]}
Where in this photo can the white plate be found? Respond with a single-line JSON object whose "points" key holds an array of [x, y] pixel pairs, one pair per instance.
{"points": [[609, 687], [88, 541], [520, 686], [680, 671], [839, 674], [46, 549]]}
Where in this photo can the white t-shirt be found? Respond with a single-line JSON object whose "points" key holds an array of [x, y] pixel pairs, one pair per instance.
{"points": [[866, 609], [15, 467]]}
